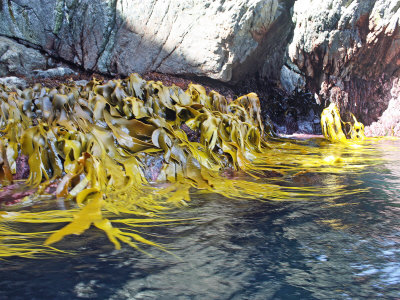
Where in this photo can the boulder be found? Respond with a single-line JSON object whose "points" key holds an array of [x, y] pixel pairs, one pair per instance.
{"points": [[13, 82], [54, 72], [291, 78], [17, 59]]}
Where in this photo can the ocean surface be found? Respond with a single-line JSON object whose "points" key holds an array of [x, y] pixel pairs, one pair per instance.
{"points": [[324, 248]]}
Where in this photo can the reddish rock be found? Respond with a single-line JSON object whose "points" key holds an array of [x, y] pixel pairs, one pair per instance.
{"points": [[349, 53], [193, 135], [389, 122], [14, 193], [22, 167]]}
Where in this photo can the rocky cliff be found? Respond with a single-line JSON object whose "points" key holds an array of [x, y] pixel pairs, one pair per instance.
{"points": [[217, 39], [348, 52], [341, 50]]}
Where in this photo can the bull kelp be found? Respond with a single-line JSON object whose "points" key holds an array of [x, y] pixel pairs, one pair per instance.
{"points": [[89, 150]]}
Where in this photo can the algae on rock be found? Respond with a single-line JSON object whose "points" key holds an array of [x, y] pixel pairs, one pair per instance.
{"points": [[87, 143]]}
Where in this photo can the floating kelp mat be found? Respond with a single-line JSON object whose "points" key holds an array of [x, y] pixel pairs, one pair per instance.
{"points": [[122, 155]]}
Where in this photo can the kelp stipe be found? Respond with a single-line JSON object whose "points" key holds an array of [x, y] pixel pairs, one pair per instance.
{"points": [[90, 144]]}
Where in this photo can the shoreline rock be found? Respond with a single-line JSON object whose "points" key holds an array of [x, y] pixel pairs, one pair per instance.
{"points": [[13, 82], [342, 52], [389, 122], [218, 39], [348, 52]]}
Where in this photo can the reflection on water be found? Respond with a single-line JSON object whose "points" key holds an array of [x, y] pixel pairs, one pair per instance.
{"points": [[330, 248]]}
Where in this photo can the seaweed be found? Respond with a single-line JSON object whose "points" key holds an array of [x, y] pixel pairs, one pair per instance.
{"points": [[86, 146], [332, 128]]}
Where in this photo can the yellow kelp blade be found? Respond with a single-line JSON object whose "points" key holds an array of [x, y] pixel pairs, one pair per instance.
{"points": [[356, 130], [14, 243], [91, 142], [331, 124], [332, 129], [89, 214], [24, 244]]}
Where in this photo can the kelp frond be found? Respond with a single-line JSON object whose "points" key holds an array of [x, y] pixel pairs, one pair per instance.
{"points": [[332, 128], [90, 144]]}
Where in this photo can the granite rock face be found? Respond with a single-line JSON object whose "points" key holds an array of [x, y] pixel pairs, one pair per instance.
{"points": [[223, 40], [345, 51], [348, 52]]}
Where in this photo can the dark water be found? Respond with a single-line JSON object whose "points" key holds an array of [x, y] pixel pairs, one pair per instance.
{"points": [[348, 248]]}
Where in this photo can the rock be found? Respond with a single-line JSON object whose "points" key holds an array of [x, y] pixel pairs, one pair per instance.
{"points": [[389, 122], [291, 120], [193, 135], [295, 112], [55, 72], [13, 81], [82, 82], [224, 40], [22, 167], [348, 52], [17, 59], [291, 80], [152, 165], [14, 194]]}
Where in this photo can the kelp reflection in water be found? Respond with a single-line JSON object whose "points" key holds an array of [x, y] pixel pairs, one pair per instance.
{"points": [[89, 145]]}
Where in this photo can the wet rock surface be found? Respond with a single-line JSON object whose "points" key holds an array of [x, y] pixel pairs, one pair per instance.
{"points": [[218, 39], [389, 122], [152, 165], [193, 135], [13, 81], [348, 52], [14, 193], [22, 167]]}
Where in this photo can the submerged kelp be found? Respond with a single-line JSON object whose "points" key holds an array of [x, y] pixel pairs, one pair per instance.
{"points": [[88, 145]]}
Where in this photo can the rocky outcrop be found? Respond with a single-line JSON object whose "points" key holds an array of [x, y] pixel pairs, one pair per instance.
{"points": [[348, 52], [389, 122], [222, 40], [345, 51]]}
